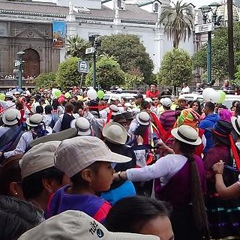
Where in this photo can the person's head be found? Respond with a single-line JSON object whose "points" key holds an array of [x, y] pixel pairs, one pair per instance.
{"points": [[188, 117], [140, 214], [185, 84], [195, 105], [153, 88], [139, 99], [87, 161], [166, 103], [234, 105], [10, 177], [155, 101], [16, 217], [75, 225], [48, 109], [11, 117], [225, 114], [39, 109], [69, 108], [226, 83], [39, 176], [182, 102], [55, 104], [209, 108], [82, 125]]}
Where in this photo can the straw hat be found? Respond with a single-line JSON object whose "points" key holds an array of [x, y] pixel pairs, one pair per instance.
{"points": [[187, 135], [34, 120], [115, 109], [166, 102], [115, 133], [82, 125], [143, 118], [11, 117]]}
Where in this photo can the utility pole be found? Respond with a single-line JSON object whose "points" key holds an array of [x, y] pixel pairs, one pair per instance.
{"points": [[230, 40]]}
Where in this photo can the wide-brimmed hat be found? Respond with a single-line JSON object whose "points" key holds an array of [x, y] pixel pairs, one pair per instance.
{"points": [[11, 117], [34, 120], [221, 130], [76, 225], [82, 125], [166, 102], [187, 135], [115, 133], [128, 115], [75, 154], [143, 118], [114, 109], [236, 124], [182, 98], [59, 136]]}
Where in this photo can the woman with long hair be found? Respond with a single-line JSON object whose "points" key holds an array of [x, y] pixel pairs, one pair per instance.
{"points": [[179, 179]]}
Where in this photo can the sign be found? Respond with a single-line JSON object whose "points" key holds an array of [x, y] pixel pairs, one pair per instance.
{"points": [[59, 34], [90, 50], [208, 27], [83, 66]]}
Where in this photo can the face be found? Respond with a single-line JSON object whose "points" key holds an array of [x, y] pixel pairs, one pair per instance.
{"points": [[152, 88], [103, 179], [182, 103], [195, 106], [159, 226], [155, 101]]}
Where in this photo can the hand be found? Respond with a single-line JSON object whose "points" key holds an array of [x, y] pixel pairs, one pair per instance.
{"points": [[139, 139], [218, 167]]}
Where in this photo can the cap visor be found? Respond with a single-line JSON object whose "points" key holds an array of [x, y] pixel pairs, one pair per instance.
{"points": [[130, 236]]}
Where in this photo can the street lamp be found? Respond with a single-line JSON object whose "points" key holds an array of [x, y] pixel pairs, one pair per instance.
{"points": [[96, 42], [205, 10], [19, 63]]}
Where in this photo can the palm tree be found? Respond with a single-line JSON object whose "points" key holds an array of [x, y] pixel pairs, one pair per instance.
{"points": [[76, 47], [178, 21]]}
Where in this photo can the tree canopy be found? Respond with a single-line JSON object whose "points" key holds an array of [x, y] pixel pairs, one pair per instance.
{"points": [[129, 52], [46, 80], [219, 53], [109, 73], [68, 74], [178, 21], [176, 68]]}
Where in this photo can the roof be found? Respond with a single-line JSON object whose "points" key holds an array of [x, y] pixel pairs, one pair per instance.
{"points": [[147, 3], [132, 13]]}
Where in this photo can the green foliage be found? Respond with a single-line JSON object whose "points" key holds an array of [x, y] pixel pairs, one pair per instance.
{"points": [[133, 79], [68, 75], [176, 68], [178, 21], [109, 73], [46, 80], [76, 47], [129, 52], [219, 53], [236, 81]]}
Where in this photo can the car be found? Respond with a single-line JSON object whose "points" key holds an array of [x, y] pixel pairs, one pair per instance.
{"points": [[127, 97]]}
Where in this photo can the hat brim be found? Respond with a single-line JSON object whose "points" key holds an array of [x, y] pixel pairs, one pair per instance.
{"points": [[60, 136], [121, 140], [174, 132], [233, 120], [221, 139], [11, 123], [80, 133], [30, 124], [140, 122]]}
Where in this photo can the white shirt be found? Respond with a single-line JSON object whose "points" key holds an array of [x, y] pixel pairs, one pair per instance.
{"points": [[22, 145], [165, 168], [185, 90]]}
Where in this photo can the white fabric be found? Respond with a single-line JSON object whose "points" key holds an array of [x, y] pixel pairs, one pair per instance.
{"points": [[185, 90], [57, 126], [22, 145], [164, 168], [47, 118]]}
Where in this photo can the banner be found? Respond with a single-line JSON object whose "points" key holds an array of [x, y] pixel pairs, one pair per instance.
{"points": [[59, 34]]}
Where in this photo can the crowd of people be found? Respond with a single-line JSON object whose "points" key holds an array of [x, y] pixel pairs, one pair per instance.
{"points": [[73, 166]]}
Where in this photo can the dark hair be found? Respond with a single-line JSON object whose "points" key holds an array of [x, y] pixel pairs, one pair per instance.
{"points": [[132, 213], [16, 217], [237, 111], [9, 172], [198, 206], [68, 108], [39, 109], [48, 109], [210, 106], [199, 106], [32, 185], [55, 104]]}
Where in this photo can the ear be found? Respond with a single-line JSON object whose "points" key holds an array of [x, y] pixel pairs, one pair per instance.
{"points": [[48, 184], [15, 189], [87, 175]]}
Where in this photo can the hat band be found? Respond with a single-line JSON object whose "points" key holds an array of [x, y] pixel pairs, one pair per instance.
{"points": [[33, 122], [219, 134], [185, 138], [82, 129], [236, 124], [145, 121]]}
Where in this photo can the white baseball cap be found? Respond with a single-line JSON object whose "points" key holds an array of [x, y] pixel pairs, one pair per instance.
{"points": [[76, 225]]}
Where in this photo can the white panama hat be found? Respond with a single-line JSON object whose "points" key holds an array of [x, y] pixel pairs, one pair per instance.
{"points": [[82, 125], [187, 135], [115, 133], [166, 102], [143, 118], [115, 109], [236, 124], [11, 117], [34, 120]]}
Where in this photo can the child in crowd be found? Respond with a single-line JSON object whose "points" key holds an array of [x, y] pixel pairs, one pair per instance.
{"points": [[87, 161]]}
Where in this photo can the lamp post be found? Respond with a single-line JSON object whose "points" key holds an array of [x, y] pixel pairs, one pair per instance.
{"points": [[205, 10], [96, 42], [19, 64]]}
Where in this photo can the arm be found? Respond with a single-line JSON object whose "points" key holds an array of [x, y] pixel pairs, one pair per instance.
{"points": [[224, 192]]}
